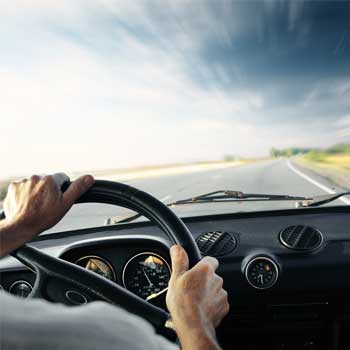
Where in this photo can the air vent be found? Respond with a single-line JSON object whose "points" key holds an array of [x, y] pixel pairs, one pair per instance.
{"points": [[216, 243], [305, 238]]}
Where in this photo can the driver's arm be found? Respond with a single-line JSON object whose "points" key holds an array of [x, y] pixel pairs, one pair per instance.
{"points": [[196, 299], [35, 205]]}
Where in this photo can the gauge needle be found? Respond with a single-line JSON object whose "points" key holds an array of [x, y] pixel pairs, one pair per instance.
{"points": [[149, 281], [154, 295]]}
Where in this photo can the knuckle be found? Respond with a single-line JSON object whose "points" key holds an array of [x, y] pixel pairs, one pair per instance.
{"points": [[47, 180], [80, 187], [213, 262], [35, 178], [220, 281], [206, 268], [226, 308]]}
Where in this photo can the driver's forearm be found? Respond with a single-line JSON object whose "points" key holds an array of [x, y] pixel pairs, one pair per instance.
{"points": [[12, 237]]}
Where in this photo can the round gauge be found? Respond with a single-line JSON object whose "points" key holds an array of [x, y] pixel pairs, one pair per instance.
{"points": [[97, 265], [261, 272], [146, 275], [21, 288]]}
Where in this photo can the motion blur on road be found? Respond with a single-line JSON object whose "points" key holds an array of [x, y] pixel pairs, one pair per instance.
{"points": [[275, 176]]}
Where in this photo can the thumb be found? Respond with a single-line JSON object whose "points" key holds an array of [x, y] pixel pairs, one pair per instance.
{"points": [[77, 188], [179, 260]]}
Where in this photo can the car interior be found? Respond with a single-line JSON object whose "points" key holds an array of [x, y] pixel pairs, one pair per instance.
{"points": [[286, 271], [222, 126]]}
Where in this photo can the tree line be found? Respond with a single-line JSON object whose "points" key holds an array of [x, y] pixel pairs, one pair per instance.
{"points": [[341, 148]]}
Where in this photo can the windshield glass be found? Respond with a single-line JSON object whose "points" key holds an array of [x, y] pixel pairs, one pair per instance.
{"points": [[178, 98]]}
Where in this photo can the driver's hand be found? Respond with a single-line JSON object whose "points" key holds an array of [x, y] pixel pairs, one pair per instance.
{"points": [[37, 204], [196, 299]]}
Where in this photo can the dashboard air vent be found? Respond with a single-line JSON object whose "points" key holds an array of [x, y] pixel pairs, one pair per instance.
{"points": [[216, 243], [299, 237]]}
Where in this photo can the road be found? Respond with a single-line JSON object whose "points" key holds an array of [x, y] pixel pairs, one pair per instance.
{"points": [[278, 176]]}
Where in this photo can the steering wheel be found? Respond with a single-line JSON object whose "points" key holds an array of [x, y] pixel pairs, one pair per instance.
{"points": [[54, 277]]}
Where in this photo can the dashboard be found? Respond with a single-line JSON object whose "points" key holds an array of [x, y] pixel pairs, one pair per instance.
{"points": [[286, 272]]}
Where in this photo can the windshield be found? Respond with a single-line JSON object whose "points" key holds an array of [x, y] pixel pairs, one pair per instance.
{"points": [[178, 98]]}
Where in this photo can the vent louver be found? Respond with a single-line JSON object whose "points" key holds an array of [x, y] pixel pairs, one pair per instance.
{"points": [[216, 243], [300, 237]]}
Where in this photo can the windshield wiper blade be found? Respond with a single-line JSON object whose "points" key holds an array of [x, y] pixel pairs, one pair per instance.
{"points": [[227, 195], [323, 199], [216, 196], [234, 196]]}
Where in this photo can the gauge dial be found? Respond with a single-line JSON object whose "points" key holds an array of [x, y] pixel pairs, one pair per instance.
{"points": [[261, 272], [21, 289], [98, 265], [146, 275]]}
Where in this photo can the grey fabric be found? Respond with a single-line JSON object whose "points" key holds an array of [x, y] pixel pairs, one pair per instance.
{"points": [[37, 324]]}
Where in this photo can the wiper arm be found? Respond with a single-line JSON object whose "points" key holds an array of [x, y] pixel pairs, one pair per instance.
{"points": [[234, 196], [216, 196], [323, 199], [227, 195]]}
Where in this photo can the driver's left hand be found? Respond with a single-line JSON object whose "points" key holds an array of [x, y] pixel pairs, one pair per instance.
{"points": [[36, 204]]}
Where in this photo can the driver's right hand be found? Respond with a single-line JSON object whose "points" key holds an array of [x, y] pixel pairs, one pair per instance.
{"points": [[196, 298]]}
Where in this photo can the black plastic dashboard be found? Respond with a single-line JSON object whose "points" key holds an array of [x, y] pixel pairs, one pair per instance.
{"points": [[303, 297]]}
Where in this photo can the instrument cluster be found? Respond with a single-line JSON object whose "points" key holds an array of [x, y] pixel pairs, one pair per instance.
{"points": [[145, 274]]}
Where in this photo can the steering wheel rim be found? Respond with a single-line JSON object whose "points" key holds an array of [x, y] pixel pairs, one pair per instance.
{"points": [[109, 192], [49, 269]]}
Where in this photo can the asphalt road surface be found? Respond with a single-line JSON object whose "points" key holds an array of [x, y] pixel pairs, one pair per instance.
{"points": [[272, 176]]}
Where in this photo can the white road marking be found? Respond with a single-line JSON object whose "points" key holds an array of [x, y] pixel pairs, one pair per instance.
{"points": [[165, 198], [314, 182]]}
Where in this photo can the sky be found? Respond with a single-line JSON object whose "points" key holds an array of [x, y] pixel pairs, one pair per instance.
{"points": [[101, 84]]}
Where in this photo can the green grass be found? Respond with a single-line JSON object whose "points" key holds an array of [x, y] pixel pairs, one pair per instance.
{"points": [[338, 162], [316, 156]]}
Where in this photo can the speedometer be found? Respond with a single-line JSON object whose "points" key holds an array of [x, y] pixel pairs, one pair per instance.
{"points": [[146, 275]]}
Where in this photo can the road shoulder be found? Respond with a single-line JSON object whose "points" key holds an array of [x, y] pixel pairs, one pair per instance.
{"points": [[339, 178]]}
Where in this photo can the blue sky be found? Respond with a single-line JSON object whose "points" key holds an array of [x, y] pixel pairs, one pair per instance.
{"points": [[105, 84]]}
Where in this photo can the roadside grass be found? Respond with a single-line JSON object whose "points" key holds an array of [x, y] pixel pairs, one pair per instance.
{"points": [[339, 162], [335, 167]]}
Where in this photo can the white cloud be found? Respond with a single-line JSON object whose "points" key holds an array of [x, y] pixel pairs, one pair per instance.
{"points": [[70, 108], [344, 133], [343, 121], [78, 93]]}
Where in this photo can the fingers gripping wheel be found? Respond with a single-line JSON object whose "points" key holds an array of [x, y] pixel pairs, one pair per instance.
{"points": [[55, 275]]}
